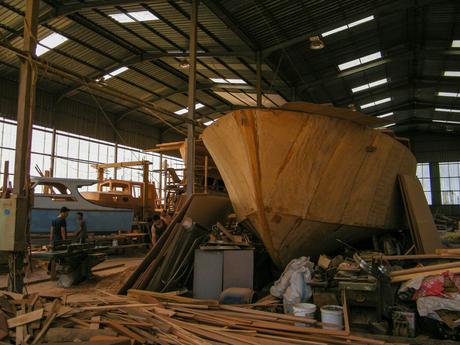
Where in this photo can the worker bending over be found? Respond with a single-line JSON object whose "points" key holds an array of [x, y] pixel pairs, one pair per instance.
{"points": [[158, 228]]}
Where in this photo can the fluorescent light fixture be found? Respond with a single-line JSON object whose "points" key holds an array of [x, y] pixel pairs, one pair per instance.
{"points": [[131, 17], [360, 61], [49, 42], [185, 110], [369, 85], [228, 81], [446, 121], [371, 104], [348, 26], [361, 21], [389, 125], [448, 94], [208, 123], [114, 73], [456, 44], [447, 110], [385, 115], [451, 73]]}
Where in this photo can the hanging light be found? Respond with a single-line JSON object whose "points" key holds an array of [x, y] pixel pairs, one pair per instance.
{"points": [[184, 64], [316, 42]]}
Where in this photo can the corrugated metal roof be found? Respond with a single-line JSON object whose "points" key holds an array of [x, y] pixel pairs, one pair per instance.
{"points": [[413, 36]]}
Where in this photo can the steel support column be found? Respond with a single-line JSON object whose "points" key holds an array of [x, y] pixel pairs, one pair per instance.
{"points": [[190, 158], [259, 79], [26, 104]]}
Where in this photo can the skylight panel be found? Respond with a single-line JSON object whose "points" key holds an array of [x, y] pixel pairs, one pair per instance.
{"points": [[385, 115], [372, 104], [456, 44], [451, 73], [447, 121], [447, 110], [114, 73], [228, 81], [348, 26], [219, 80], [360, 61], [236, 81], [185, 110], [369, 85], [448, 94], [131, 17], [49, 42]]}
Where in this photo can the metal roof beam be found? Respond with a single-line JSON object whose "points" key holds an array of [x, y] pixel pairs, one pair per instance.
{"points": [[379, 10]]}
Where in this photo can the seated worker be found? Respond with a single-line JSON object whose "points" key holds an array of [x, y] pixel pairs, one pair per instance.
{"points": [[158, 228], [81, 235], [58, 232]]}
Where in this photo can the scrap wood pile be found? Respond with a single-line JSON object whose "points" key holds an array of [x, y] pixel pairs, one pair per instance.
{"points": [[168, 265], [154, 318]]}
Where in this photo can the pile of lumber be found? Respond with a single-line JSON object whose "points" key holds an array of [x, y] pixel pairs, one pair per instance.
{"points": [[168, 265], [144, 317], [424, 271]]}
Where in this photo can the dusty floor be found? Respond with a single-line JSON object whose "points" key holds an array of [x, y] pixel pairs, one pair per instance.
{"points": [[107, 282]]}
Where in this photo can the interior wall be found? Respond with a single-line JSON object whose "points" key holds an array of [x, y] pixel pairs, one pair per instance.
{"points": [[77, 118]]}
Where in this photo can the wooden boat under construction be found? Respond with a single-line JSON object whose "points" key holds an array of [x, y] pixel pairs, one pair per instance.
{"points": [[305, 175]]}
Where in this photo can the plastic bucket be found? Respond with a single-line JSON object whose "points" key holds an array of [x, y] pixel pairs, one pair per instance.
{"points": [[306, 310], [332, 316]]}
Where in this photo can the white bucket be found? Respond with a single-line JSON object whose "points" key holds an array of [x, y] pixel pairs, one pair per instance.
{"points": [[332, 315], [306, 310]]}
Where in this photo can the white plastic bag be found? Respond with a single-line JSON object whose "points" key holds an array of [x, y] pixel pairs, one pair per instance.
{"points": [[293, 284]]}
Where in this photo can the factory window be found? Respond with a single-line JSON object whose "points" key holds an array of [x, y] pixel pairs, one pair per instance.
{"points": [[423, 174], [449, 173]]}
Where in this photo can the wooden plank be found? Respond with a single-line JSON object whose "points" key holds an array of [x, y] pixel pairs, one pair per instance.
{"points": [[44, 329], [125, 331], [3, 327], [95, 322], [25, 318], [402, 278], [427, 268], [419, 212]]}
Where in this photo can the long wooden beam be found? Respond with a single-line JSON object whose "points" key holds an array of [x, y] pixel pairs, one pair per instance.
{"points": [[120, 164]]}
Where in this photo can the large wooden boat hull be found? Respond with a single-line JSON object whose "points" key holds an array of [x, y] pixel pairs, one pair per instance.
{"points": [[308, 175]]}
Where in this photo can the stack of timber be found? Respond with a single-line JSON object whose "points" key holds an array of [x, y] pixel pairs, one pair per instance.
{"points": [[168, 265], [306, 175], [424, 271], [154, 318], [421, 224]]}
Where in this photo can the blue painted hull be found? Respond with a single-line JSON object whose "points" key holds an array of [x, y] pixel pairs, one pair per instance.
{"points": [[106, 221]]}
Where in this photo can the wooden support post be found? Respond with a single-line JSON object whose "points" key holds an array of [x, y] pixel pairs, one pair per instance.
{"points": [[259, 79], [100, 177], [6, 172], [160, 187], [115, 170], [205, 174], [191, 101], [26, 104], [53, 152], [145, 191]]}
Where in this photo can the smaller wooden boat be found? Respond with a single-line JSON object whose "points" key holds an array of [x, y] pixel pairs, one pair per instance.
{"points": [[123, 194], [50, 194]]}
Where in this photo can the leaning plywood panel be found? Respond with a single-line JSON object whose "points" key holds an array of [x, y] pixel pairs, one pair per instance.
{"points": [[420, 219], [303, 178]]}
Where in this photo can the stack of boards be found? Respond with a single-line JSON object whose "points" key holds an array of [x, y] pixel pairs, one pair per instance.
{"points": [[145, 317]]}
